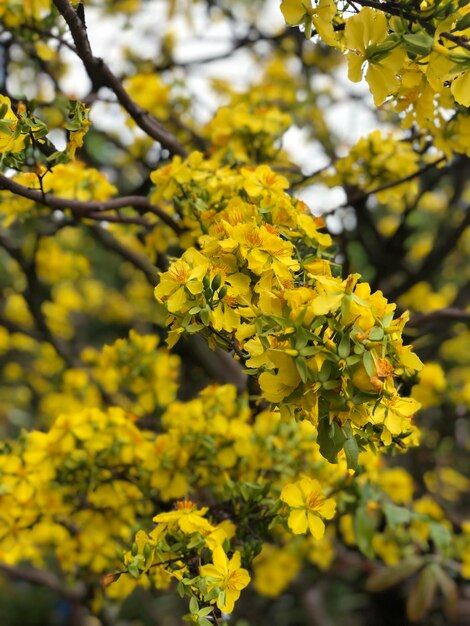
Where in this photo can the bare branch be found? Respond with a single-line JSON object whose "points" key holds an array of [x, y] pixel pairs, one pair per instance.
{"points": [[438, 316], [102, 76], [463, 42], [137, 260], [82, 208], [45, 579], [435, 258]]}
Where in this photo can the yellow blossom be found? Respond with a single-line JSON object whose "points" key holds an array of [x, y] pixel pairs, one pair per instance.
{"points": [[308, 504], [226, 575]]}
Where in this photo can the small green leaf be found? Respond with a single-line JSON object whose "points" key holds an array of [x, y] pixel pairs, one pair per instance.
{"points": [[389, 577], [462, 24], [351, 450], [133, 570], [396, 514], [303, 369], [450, 592], [344, 347], [205, 611], [422, 594], [193, 605], [418, 43], [330, 438], [376, 334], [440, 535], [365, 526], [204, 315], [368, 363]]}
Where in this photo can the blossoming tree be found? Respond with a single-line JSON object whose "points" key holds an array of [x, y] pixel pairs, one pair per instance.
{"points": [[204, 391]]}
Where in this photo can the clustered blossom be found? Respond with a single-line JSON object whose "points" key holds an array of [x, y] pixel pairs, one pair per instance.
{"points": [[261, 283]]}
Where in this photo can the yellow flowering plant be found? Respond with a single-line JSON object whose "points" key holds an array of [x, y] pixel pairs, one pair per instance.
{"points": [[213, 385]]}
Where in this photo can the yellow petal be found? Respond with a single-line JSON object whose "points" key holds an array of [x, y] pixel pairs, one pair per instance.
{"points": [[292, 496], [460, 88], [328, 508], [177, 300], [315, 525], [298, 521], [293, 11]]}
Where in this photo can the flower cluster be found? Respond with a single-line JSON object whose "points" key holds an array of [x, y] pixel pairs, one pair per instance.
{"points": [[260, 283]]}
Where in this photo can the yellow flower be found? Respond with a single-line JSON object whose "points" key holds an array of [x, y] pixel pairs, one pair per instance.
{"points": [[184, 275], [263, 249], [397, 484], [8, 143], [275, 568], [276, 387], [363, 33], [187, 518], [300, 11], [308, 503], [228, 576]]}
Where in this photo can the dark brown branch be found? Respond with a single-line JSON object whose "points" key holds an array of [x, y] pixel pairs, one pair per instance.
{"points": [[83, 208], [358, 195], [102, 76], [34, 300], [392, 9], [449, 314], [393, 183], [137, 260], [434, 259], [45, 579], [463, 42]]}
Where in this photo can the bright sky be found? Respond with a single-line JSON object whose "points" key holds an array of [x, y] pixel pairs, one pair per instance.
{"points": [[109, 37]]}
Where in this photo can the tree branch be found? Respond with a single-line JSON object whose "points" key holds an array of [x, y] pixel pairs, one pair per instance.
{"points": [[82, 208], [102, 76], [45, 579], [137, 260], [434, 259], [438, 316]]}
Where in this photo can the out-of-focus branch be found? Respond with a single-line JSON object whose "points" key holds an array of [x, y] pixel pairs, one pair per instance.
{"points": [[102, 76], [449, 314], [137, 260], [434, 259], [45, 578]]}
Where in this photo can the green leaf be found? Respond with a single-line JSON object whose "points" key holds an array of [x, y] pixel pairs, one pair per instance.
{"points": [[376, 334], [365, 525], [133, 570], [193, 605], [389, 577], [344, 347], [396, 514], [450, 592], [205, 611], [462, 24], [440, 535], [418, 43], [422, 594], [204, 315], [351, 450], [303, 369], [368, 363], [325, 371], [330, 438], [301, 337]]}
